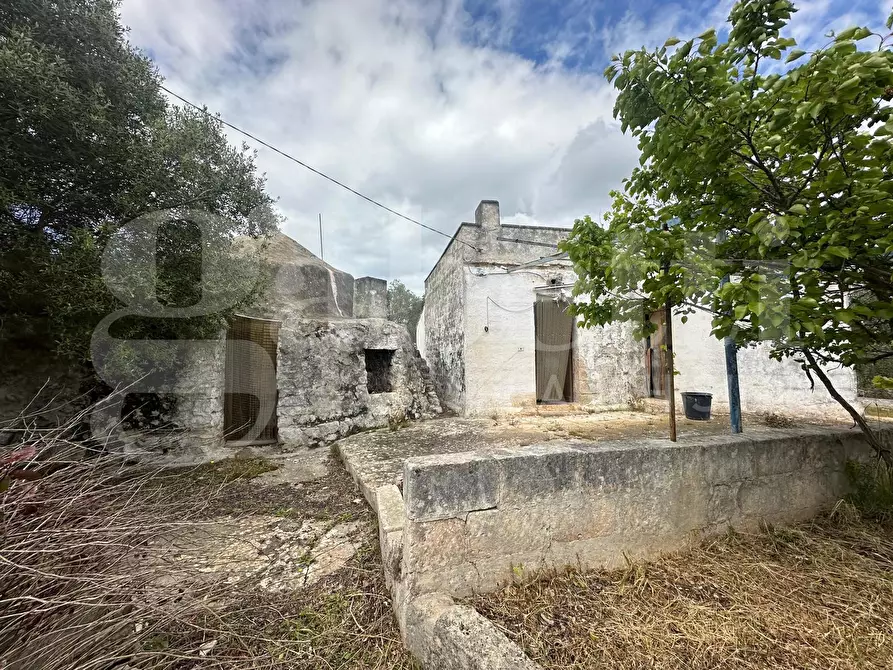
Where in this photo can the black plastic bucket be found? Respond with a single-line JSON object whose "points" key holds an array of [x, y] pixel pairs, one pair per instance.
{"points": [[697, 405]]}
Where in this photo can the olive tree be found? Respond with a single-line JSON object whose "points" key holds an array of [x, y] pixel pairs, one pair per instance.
{"points": [[89, 143]]}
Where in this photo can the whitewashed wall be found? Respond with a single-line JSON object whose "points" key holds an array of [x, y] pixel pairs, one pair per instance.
{"points": [[766, 385], [500, 344]]}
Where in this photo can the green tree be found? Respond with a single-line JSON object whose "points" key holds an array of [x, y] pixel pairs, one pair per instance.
{"points": [[404, 306], [89, 143], [761, 161]]}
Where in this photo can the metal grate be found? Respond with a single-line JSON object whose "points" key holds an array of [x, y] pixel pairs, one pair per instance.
{"points": [[250, 396]]}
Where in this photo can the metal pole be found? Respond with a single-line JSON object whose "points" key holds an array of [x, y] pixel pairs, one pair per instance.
{"points": [[671, 367], [321, 255], [731, 350], [732, 379]]}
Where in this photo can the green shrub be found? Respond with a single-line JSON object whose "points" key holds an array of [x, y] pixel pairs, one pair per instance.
{"points": [[871, 489]]}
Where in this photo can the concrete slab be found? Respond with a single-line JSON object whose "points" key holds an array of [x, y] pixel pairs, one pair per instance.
{"points": [[375, 458]]}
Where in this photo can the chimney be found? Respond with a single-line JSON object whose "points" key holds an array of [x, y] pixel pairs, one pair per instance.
{"points": [[487, 217]]}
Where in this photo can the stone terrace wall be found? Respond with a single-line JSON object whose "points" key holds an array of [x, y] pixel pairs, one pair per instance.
{"points": [[472, 521]]}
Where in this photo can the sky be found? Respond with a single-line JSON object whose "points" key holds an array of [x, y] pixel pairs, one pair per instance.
{"points": [[429, 106]]}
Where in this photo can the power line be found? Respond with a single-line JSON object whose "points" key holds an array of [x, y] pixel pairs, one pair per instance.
{"points": [[311, 168]]}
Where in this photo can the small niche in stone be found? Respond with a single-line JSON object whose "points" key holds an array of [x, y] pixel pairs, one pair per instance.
{"points": [[378, 370]]}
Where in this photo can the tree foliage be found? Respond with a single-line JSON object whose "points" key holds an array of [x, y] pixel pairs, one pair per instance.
{"points": [[763, 161], [89, 143], [404, 306]]}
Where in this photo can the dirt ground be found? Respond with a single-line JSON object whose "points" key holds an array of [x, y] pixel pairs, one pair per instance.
{"points": [[814, 596], [298, 546]]}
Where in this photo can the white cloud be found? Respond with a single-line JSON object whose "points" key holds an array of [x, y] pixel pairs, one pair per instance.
{"points": [[415, 104], [391, 98]]}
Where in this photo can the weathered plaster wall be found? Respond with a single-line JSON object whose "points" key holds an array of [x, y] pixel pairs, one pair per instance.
{"points": [[473, 520], [370, 298], [501, 343], [765, 385], [444, 320], [499, 339], [322, 380], [611, 366]]}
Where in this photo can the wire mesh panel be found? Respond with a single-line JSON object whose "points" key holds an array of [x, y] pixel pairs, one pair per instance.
{"points": [[250, 396], [554, 329]]}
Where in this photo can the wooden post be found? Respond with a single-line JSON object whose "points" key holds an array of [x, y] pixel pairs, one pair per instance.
{"points": [[671, 372], [671, 367]]}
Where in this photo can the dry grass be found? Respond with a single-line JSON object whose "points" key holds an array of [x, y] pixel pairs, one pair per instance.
{"points": [[77, 589], [814, 596]]}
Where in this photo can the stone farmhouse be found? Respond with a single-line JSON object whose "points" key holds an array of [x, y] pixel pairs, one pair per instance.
{"points": [[497, 335], [316, 360]]}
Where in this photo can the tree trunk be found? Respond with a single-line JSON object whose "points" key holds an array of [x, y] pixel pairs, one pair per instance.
{"points": [[882, 451]]}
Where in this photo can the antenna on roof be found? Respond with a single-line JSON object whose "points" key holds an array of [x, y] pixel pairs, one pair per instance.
{"points": [[321, 257]]}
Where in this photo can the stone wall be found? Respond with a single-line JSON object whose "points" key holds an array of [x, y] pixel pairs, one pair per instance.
{"points": [[766, 385], [370, 298], [473, 521], [444, 321], [321, 374]]}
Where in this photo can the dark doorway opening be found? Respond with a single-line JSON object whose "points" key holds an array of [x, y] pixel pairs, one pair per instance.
{"points": [[249, 406], [656, 356], [554, 330], [378, 370]]}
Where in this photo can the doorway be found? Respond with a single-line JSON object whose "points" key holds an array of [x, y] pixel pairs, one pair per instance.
{"points": [[656, 356], [251, 394], [554, 330]]}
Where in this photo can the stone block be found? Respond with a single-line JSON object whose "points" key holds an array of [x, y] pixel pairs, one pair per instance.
{"points": [[420, 615], [389, 507], [468, 641], [537, 471], [461, 580], [769, 497], [722, 505], [779, 455], [592, 553], [392, 555], [434, 543], [729, 459], [506, 531], [439, 487], [370, 298], [591, 515]]}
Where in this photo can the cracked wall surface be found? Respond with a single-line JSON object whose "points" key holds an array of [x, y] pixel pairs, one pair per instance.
{"points": [[474, 521], [323, 386], [443, 321]]}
